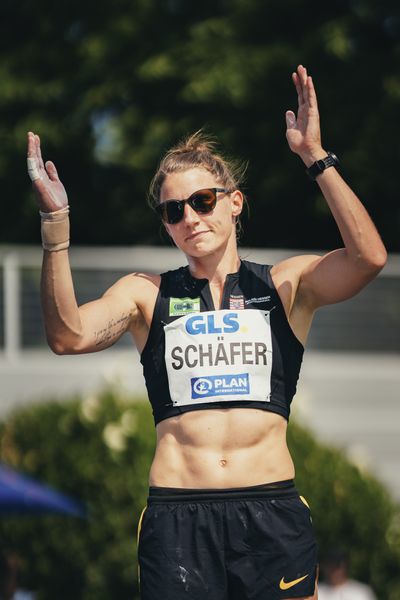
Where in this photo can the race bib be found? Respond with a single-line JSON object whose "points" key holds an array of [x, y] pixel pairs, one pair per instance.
{"points": [[219, 356]]}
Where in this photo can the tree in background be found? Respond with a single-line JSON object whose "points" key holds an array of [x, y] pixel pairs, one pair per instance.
{"points": [[110, 90], [99, 449]]}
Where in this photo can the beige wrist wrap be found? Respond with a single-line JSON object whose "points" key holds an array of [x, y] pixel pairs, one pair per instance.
{"points": [[55, 229]]}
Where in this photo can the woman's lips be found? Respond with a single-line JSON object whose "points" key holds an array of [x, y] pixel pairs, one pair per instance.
{"points": [[194, 235]]}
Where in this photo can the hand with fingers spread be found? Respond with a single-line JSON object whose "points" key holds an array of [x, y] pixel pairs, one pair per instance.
{"points": [[49, 190], [52, 198], [303, 132]]}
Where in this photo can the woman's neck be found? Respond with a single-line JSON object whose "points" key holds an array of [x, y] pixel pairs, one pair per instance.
{"points": [[215, 267]]}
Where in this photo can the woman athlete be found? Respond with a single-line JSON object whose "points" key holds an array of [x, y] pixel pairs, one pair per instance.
{"points": [[221, 343]]}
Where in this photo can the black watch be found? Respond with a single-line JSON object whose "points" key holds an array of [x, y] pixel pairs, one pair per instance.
{"points": [[320, 165]]}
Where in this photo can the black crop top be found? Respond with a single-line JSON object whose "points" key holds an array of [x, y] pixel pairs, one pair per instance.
{"points": [[242, 355]]}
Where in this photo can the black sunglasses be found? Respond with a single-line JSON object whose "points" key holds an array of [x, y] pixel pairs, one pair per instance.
{"points": [[202, 201]]}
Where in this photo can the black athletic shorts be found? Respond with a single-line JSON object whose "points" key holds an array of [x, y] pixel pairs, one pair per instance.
{"points": [[253, 543]]}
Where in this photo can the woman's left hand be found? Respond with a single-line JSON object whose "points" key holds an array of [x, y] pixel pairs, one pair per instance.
{"points": [[303, 133]]}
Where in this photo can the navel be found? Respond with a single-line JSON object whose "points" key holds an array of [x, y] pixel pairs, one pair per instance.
{"points": [[223, 462]]}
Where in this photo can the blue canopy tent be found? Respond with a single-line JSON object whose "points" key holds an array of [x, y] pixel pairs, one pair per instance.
{"points": [[24, 495]]}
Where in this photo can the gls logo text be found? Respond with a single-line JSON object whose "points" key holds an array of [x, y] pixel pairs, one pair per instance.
{"points": [[200, 324]]}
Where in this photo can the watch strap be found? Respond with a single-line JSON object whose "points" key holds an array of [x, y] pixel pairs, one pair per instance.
{"points": [[331, 160]]}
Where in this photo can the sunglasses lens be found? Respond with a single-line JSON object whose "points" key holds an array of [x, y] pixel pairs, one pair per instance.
{"points": [[203, 201], [169, 214], [173, 211]]}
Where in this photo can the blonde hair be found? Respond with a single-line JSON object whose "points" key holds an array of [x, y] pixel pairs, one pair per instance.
{"points": [[197, 151]]}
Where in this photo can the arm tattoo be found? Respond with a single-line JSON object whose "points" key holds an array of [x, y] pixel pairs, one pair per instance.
{"points": [[112, 331]]}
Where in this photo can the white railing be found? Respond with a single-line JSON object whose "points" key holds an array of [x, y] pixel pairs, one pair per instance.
{"points": [[114, 261], [11, 287]]}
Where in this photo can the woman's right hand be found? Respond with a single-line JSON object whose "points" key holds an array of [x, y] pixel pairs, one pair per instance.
{"points": [[49, 190]]}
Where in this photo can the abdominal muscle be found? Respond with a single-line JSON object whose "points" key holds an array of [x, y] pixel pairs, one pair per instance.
{"points": [[221, 448]]}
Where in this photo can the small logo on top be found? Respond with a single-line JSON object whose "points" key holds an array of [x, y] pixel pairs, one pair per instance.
{"points": [[178, 307], [236, 302], [259, 300]]}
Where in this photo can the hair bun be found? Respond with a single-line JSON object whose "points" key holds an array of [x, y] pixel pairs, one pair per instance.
{"points": [[196, 142]]}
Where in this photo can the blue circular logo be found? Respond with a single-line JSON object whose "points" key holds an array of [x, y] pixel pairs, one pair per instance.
{"points": [[202, 386]]}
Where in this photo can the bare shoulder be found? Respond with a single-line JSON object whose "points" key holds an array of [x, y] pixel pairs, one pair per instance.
{"points": [[138, 291], [136, 286], [286, 276], [136, 295]]}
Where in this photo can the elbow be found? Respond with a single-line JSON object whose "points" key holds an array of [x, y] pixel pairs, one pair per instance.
{"points": [[379, 259], [62, 346], [58, 347], [383, 257], [374, 262]]}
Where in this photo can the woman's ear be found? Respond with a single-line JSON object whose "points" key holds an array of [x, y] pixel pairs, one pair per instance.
{"points": [[236, 203]]}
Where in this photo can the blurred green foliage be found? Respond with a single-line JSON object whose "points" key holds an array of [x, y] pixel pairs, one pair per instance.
{"points": [[99, 449], [109, 89]]}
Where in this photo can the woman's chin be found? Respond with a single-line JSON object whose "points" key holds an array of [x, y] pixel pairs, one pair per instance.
{"points": [[199, 249]]}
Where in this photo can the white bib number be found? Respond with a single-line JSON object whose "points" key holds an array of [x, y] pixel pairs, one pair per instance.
{"points": [[219, 356]]}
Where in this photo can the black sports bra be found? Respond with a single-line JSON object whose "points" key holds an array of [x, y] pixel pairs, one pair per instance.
{"points": [[243, 355]]}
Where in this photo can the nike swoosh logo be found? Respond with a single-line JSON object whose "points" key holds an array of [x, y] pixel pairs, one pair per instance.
{"points": [[287, 585]]}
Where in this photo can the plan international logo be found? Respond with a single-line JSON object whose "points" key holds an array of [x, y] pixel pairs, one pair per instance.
{"points": [[220, 385]]}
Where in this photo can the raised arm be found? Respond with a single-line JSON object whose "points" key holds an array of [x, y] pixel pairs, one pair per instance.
{"points": [[342, 273], [71, 329]]}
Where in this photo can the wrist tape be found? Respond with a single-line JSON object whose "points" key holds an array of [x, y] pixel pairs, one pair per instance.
{"points": [[55, 229]]}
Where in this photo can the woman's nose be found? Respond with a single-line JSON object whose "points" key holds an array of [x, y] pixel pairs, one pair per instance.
{"points": [[190, 215]]}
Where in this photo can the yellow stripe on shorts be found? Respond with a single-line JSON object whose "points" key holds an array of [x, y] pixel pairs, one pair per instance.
{"points": [[139, 527], [304, 501]]}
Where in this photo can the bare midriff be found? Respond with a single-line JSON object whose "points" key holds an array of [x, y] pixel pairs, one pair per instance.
{"points": [[221, 448]]}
